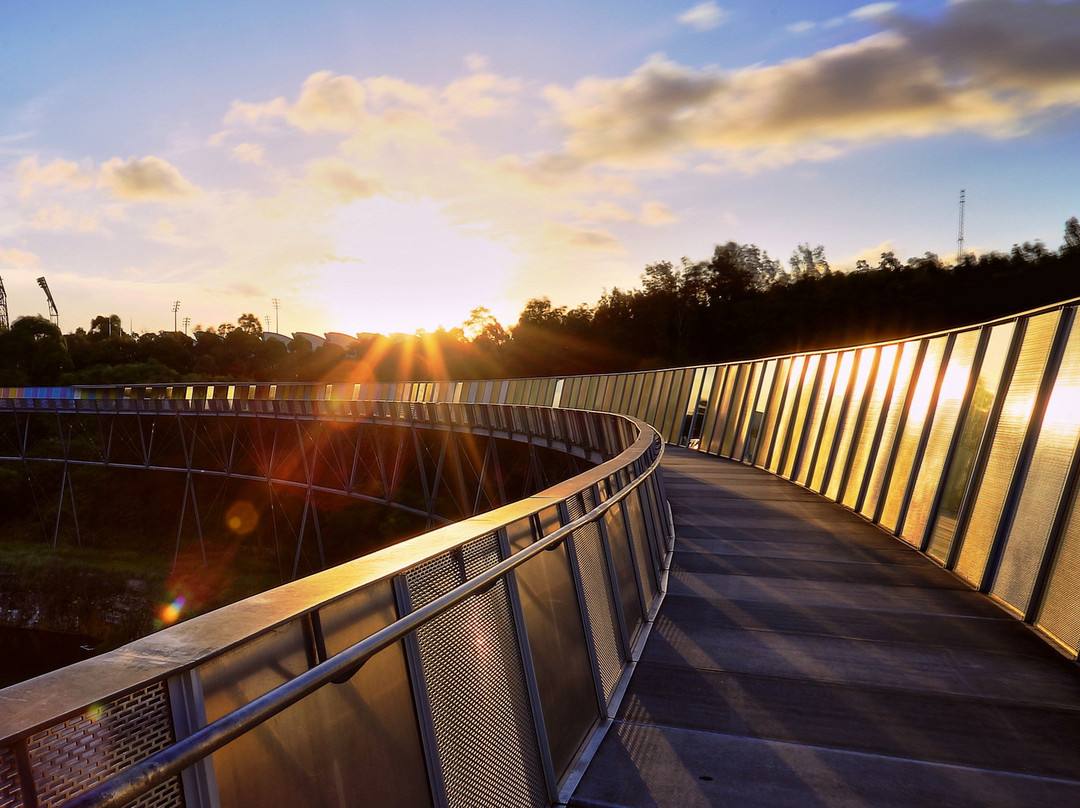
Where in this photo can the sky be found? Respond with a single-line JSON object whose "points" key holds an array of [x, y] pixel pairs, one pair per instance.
{"points": [[390, 166]]}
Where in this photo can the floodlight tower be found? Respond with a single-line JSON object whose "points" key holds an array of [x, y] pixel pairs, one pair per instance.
{"points": [[277, 315], [3, 308], [960, 231], [54, 315]]}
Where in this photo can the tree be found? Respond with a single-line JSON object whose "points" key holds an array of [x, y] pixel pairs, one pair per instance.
{"points": [[889, 262], [250, 324], [32, 351], [808, 262], [1072, 236], [102, 326]]}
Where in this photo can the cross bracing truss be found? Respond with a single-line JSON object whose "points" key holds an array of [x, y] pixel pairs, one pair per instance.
{"points": [[436, 473]]}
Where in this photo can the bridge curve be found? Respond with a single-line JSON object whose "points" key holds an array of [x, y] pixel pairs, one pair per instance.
{"points": [[962, 445], [805, 657]]}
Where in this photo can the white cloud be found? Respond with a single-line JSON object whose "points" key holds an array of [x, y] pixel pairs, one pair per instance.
{"points": [[477, 62], [343, 181], [67, 175], [992, 67], [57, 218], [251, 153], [145, 178], [14, 257], [873, 11], [704, 16]]}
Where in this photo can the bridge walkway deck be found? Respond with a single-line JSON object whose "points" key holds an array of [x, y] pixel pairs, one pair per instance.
{"points": [[803, 657]]}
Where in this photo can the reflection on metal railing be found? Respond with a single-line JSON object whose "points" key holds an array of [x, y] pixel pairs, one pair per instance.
{"points": [[469, 649]]}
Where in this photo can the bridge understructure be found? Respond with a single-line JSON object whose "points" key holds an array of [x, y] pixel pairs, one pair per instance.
{"points": [[468, 665], [292, 454], [961, 446]]}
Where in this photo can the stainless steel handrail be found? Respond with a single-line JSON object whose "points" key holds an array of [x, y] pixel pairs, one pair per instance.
{"points": [[136, 780]]}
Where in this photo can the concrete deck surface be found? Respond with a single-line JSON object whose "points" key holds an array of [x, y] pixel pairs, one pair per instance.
{"points": [[803, 657]]}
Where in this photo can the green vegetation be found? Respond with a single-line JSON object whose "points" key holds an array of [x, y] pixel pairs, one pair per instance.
{"points": [[738, 303]]}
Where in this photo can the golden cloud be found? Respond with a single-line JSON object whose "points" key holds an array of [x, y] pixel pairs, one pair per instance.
{"points": [[343, 181], [14, 257], [993, 67], [29, 174], [146, 178]]}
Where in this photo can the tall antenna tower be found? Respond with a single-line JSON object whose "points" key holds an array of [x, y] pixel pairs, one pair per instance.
{"points": [[4, 325], [54, 315], [960, 231]]}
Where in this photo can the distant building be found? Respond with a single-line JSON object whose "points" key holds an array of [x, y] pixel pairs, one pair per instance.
{"points": [[315, 340], [342, 340], [282, 338]]}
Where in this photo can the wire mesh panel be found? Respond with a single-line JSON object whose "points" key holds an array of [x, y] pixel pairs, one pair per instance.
{"points": [[747, 424], [1008, 439], [84, 750], [560, 657], [1044, 486], [834, 417], [955, 385], [643, 554], [785, 407], [623, 562], [769, 394], [475, 684], [734, 405], [719, 407], [599, 598], [806, 396], [892, 417], [853, 413], [918, 418], [1059, 613], [816, 416], [987, 385]]}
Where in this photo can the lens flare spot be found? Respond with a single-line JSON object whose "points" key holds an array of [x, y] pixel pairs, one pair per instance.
{"points": [[242, 518], [171, 612]]}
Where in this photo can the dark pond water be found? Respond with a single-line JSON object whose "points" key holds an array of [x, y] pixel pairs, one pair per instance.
{"points": [[26, 653]]}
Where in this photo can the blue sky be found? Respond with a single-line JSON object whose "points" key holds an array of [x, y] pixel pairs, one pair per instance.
{"points": [[389, 166]]}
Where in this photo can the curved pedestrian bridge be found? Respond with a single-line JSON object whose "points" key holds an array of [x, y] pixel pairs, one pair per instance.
{"points": [[803, 657], [916, 646]]}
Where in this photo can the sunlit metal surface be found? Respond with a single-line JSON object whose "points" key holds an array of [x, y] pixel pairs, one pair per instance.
{"points": [[964, 443], [447, 706]]}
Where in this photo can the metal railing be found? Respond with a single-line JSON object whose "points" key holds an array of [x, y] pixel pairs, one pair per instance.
{"points": [[469, 665]]}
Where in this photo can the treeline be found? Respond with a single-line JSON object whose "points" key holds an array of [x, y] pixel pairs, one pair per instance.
{"points": [[739, 303]]}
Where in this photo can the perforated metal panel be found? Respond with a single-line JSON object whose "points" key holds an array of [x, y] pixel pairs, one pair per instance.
{"points": [[892, 415], [831, 428], [965, 455], [785, 409], [1059, 613], [864, 365], [599, 598], [480, 708], [954, 388], [918, 419], [10, 797], [804, 401], [718, 409], [1005, 449], [69, 758], [746, 420], [1044, 486], [819, 406]]}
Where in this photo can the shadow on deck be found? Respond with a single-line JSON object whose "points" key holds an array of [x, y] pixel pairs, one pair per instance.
{"points": [[803, 657]]}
